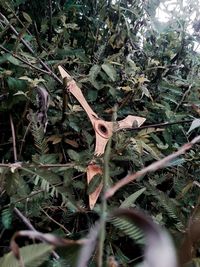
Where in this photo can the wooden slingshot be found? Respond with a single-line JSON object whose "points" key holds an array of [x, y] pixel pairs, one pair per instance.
{"points": [[103, 130]]}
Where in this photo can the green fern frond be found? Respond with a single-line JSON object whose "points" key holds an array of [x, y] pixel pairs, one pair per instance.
{"points": [[32, 255], [99, 55], [128, 229], [42, 180], [37, 131], [120, 256], [169, 205]]}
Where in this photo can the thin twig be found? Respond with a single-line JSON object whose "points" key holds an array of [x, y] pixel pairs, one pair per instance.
{"points": [[183, 97], [23, 139], [31, 227], [25, 198], [24, 219], [50, 22], [18, 19], [24, 61], [37, 37], [151, 168], [13, 138], [59, 224], [21, 165], [6, 22], [162, 124], [102, 234]]}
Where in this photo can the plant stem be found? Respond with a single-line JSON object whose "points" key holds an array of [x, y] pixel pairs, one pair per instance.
{"points": [[30, 226], [162, 124], [104, 204], [13, 138]]}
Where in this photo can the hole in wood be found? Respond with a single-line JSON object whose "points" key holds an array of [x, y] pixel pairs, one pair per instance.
{"points": [[102, 129]]}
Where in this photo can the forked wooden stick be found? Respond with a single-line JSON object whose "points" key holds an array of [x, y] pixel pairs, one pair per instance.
{"points": [[103, 130]]}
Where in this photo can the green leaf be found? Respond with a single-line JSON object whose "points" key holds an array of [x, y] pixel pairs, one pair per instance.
{"points": [[151, 149], [13, 182], [73, 155], [129, 201], [110, 71], [129, 229], [27, 17], [16, 84], [9, 58], [92, 95], [94, 183], [32, 255], [48, 158], [94, 72], [6, 218], [195, 124]]}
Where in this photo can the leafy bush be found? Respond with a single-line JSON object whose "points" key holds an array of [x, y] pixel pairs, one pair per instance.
{"points": [[121, 56]]}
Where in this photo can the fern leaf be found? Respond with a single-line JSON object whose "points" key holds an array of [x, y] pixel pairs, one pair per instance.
{"points": [[32, 255], [132, 198], [129, 229], [169, 206], [99, 55], [37, 131]]}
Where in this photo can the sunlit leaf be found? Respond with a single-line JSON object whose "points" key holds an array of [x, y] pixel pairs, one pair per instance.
{"points": [[195, 124]]}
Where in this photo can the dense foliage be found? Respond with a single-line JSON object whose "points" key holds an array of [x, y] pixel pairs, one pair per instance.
{"points": [[125, 59]]}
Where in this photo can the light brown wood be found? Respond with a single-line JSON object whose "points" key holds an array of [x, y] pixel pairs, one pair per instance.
{"points": [[103, 129], [92, 170]]}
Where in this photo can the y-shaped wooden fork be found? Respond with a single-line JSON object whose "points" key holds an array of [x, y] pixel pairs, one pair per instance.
{"points": [[103, 130]]}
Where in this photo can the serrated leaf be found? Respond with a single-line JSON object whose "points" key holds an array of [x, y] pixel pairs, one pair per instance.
{"points": [[195, 124], [94, 72], [32, 255], [110, 71], [129, 201]]}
